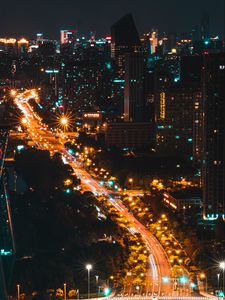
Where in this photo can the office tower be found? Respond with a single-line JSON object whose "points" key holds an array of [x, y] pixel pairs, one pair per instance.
{"points": [[87, 77], [178, 105], [129, 135], [39, 38], [22, 45], [124, 35], [205, 27], [67, 36], [9, 46], [195, 33], [174, 109], [125, 40], [213, 167], [191, 70], [171, 40], [154, 40], [134, 88]]}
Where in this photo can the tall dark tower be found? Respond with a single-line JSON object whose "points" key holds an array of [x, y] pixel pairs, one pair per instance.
{"points": [[125, 40], [213, 169], [134, 88], [205, 27]]}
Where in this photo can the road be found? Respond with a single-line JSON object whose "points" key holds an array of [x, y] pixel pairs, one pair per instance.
{"points": [[46, 139]]}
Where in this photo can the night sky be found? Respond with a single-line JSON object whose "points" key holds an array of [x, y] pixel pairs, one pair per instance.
{"points": [[26, 17]]}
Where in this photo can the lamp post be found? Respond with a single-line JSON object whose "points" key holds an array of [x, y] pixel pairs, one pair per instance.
{"points": [[24, 121], [13, 93], [218, 280], [203, 276], [88, 268], [131, 181], [18, 292], [64, 122], [64, 288], [96, 280], [222, 266]]}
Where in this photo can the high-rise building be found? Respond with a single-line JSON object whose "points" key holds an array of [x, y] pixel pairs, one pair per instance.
{"points": [[67, 36], [134, 88], [175, 119], [125, 40], [213, 164], [205, 27], [154, 40], [191, 70], [39, 38]]}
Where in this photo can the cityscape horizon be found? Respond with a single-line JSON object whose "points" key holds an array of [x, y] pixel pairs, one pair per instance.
{"points": [[112, 152]]}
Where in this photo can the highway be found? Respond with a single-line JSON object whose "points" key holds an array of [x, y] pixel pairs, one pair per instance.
{"points": [[46, 139]]}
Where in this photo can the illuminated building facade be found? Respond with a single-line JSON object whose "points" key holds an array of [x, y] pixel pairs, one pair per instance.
{"points": [[213, 164], [67, 36], [87, 77], [39, 38], [154, 41], [176, 120]]}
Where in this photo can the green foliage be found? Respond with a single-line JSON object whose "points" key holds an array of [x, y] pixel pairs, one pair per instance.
{"points": [[57, 233]]}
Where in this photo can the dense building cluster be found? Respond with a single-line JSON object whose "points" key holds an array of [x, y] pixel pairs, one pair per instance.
{"points": [[160, 92]]}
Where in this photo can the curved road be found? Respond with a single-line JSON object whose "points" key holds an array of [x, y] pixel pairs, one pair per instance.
{"points": [[45, 139]]}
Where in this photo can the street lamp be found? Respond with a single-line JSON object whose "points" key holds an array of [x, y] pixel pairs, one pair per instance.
{"points": [[203, 277], [64, 121], [13, 93], [218, 279], [24, 121], [64, 288], [131, 181], [96, 279], [222, 266], [18, 292], [88, 268]]}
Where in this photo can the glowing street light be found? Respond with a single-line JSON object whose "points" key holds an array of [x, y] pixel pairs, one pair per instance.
{"points": [[89, 268], [64, 291], [24, 121], [64, 121], [13, 93], [18, 291], [203, 277], [222, 266]]}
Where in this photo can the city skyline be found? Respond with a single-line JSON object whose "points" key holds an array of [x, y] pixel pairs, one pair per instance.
{"points": [[112, 150], [49, 17]]}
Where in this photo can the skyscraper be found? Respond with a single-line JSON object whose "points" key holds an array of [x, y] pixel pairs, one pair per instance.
{"points": [[125, 40], [205, 27], [213, 169], [67, 36], [134, 88]]}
